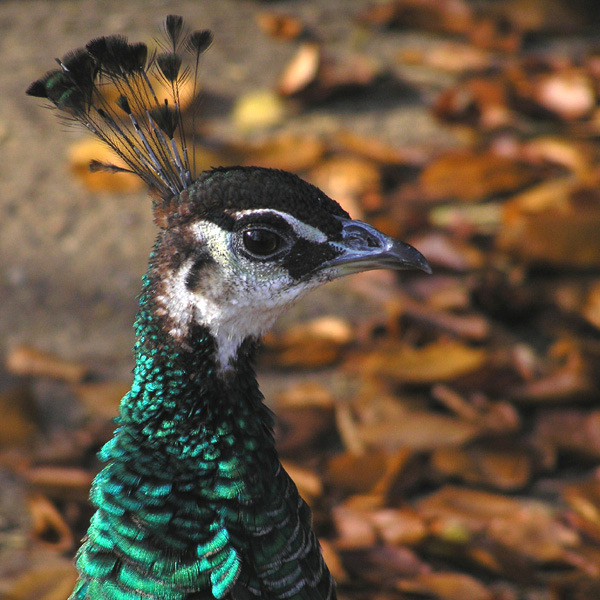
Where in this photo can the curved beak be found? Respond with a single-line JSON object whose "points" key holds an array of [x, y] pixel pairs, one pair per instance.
{"points": [[364, 248]]}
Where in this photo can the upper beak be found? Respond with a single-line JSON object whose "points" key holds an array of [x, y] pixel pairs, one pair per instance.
{"points": [[364, 248]]}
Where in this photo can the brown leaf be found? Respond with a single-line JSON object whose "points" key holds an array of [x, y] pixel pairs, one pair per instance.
{"points": [[571, 430], [471, 175], [584, 500], [496, 33], [418, 430], [278, 26], [453, 57], [299, 427], [18, 422], [548, 89], [60, 482], [591, 310], [49, 527], [312, 76], [576, 157], [353, 528], [367, 472], [24, 360], [306, 393], [354, 182], [443, 360], [479, 101], [52, 578], [444, 251], [333, 561], [383, 565], [377, 151], [441, 16], [399, 527], [301, 71], [285, 151], [555, 223], [313, 344], [505, 470], [529, 529], [446, 586], [566, 376], [102, 399]]}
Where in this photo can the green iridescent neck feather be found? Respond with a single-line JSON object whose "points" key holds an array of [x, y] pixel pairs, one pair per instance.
{"points": [[193, 502]]}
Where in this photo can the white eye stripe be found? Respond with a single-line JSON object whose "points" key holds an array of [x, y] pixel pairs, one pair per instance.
{"points": [[312, 234]]}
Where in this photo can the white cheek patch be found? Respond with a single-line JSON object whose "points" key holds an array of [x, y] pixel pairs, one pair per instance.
{"points": [[312, 234], [232, 301]]}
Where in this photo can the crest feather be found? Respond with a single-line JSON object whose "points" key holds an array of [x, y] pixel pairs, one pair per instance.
{"points": [[145, 131]]}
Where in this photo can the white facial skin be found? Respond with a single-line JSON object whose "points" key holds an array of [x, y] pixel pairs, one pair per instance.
{"points": [[236, 297]]}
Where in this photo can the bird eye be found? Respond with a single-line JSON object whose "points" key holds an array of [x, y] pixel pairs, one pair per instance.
{"points": [[261, 242]]}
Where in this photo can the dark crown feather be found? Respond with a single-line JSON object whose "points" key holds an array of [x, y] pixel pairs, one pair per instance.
{"points": [[145, 131]]}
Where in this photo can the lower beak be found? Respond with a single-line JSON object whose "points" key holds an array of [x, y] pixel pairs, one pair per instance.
{"points": [[364, 248]]}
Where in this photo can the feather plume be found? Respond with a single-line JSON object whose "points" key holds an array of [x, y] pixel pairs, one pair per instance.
{"points": [[147, 133]]}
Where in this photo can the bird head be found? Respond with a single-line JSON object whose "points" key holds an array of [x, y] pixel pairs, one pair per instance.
{"points": [[243, 243]]}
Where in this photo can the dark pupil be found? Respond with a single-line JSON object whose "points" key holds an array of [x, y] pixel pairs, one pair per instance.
{"points": [[261, 241]]}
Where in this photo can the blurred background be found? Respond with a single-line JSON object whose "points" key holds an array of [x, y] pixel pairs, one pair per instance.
{"points": [[444, 429]]}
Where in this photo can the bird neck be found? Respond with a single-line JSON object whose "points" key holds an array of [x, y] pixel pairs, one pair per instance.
{"points": [[180, 399]]}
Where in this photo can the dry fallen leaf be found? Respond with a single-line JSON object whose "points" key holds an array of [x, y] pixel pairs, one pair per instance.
{"points": [[472, 175], [302, 70], [571, 430], [278, 26], [501, 469], [454, 57], [378, 151], [442, 360], [442, 16], [477, 101], [48, 525], [399, 527], [584, 500], [446, 586], [27, 361], [530, 529], [60, 482], [556, 91], [18, 423], [556, 223], [285, 151], [312, 76], [363, 473], [51, 578], [419, 431], [354, 182], [312, 344], [102, 399]]}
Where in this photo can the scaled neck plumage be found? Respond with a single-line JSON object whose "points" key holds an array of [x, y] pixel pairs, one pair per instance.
{"points": [[180, 397]]}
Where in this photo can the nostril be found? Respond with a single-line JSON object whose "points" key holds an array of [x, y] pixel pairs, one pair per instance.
{"points": [[359, 238]]}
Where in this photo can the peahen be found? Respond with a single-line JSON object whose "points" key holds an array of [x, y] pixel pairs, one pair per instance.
{"points": [[193, 502]]}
